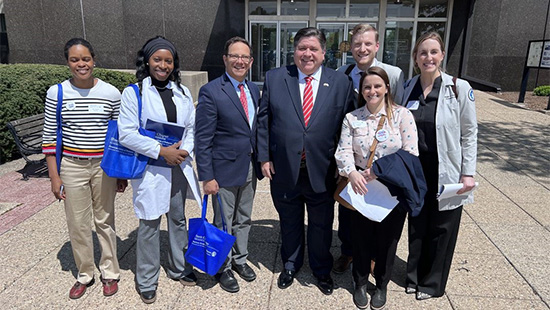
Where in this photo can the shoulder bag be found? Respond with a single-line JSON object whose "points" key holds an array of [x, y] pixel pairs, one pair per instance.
{"points": [[344, 181], [119, 161]]}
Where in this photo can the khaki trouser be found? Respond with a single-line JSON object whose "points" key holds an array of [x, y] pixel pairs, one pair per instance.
{"points": [[90, 194]]}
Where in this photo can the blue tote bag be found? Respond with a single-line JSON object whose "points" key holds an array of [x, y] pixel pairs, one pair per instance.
{"points": [[119, 161], [208, 246]]}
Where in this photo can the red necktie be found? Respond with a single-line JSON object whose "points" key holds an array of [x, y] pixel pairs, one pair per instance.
{"points": [[307, 103], [243, 100]]}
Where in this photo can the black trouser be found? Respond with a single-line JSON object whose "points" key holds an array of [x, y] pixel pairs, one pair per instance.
{"points": [[344, 229], [432, 240], [376, 240], [289, 203]]}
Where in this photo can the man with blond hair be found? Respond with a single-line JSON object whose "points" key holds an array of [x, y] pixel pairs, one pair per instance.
{"points": [[364, 45]]}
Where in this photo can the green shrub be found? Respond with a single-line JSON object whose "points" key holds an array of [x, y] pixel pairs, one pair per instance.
{"points": [[543, 90], [23, 90]]}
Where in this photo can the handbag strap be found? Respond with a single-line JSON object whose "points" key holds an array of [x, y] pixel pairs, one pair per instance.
{"points": [[205, 202], [59, 130], [59, 105], [138, 95], [375, 142]]}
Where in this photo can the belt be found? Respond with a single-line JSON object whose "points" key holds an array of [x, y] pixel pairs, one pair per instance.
{"points": [[79, 158]]}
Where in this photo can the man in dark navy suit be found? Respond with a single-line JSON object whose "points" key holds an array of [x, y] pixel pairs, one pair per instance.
{"points": [[299, 123], [225, 139]]}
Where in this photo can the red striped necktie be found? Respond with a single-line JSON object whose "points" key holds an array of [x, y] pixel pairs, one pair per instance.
{"points": [[307, 103], [243, 99]]}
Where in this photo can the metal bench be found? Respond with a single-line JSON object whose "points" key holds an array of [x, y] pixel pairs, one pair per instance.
{"points": [[27, 133]]}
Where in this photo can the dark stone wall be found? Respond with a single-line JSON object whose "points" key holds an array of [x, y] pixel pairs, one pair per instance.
{"points": [[117, 29], [38, 30], [459, 21], [500, 36]]}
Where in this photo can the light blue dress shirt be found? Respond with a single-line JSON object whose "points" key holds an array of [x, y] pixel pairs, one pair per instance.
{"points": [[251, 109]]}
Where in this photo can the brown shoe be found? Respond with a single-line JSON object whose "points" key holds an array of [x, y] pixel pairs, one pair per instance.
{"points": [[342, 264], [79, 289], [110, 287]]}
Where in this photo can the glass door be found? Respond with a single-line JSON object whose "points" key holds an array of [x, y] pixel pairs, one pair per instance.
{"points": [[273, 45], [263, 38], [334, 33], [337, 35], [287, 32], [398, 44]]}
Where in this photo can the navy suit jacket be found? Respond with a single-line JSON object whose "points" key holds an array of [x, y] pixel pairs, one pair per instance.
{"points": [[225, 143], [402, 173], [282, 134]]}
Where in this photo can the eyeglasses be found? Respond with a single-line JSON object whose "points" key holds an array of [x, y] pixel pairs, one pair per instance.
{"points": [[245, 58]]}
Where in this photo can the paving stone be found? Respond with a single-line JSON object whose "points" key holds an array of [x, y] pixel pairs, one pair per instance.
{"points": [[482, 303], [477, 275]]}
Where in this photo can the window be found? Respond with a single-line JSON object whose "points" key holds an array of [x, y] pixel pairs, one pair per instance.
{"points": [[331, 8], [364, 8], [262, 7], [295, 7], [403, 9], [273, 24], [273, 46], [432, 8]]}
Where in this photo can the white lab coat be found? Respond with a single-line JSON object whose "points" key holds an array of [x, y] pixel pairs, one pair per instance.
{"points": [[151, 193], [456, 134]]}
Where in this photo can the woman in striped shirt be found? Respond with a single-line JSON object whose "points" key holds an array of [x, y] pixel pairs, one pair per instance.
{"points": [[88, 104]]}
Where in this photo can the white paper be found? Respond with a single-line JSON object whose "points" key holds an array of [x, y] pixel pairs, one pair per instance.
{"points": [[449, 190], [375, 205]]}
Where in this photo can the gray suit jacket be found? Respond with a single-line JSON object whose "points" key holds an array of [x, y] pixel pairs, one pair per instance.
{"points": [[395, 74]]}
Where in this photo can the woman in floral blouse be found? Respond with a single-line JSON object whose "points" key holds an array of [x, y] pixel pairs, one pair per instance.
{"points": [[370, 239]]}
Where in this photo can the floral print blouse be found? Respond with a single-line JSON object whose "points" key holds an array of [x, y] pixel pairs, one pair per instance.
{"points": [[358, 131]]}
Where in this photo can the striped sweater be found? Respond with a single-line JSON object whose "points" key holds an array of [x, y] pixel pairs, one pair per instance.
{"points": [[85, 114]]}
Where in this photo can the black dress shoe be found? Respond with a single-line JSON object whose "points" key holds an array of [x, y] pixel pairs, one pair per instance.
{"points": [[148, 297], [188, 280], [325, 284], [378, 300], [227, 281], [360, 298], [286, 278], [245, 272]]}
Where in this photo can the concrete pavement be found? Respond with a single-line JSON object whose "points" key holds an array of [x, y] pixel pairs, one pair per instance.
{"points": [[500, 262]]}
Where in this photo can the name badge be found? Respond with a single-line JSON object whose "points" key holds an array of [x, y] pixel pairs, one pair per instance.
{"points": [[359, 124], [95, 108], [413, 105], [71, 106], [382, 135]]}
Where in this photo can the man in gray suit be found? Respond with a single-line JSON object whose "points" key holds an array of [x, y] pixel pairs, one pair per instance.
{"points": [[364, 45]]}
